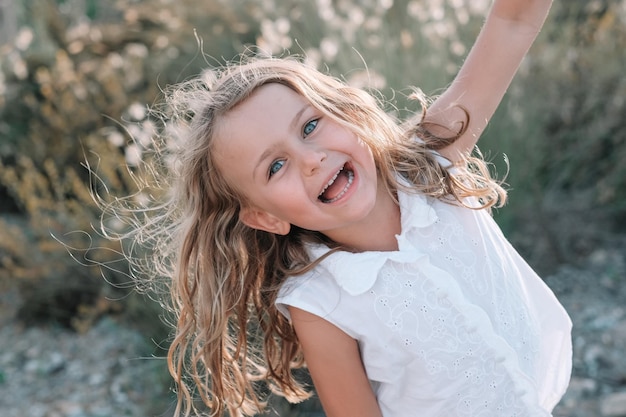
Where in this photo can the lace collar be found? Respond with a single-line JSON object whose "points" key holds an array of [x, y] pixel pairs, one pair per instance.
{"points": [[357, 272]]}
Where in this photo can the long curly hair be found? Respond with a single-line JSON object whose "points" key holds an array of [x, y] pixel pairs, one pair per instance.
{"points": [[223, 276]]}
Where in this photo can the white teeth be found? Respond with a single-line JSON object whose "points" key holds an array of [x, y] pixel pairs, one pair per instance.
{"points": [[350, 179], [345, 189], [330, 182]]}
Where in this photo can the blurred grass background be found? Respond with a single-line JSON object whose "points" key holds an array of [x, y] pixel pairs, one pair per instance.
{"points": [[76, 77]]}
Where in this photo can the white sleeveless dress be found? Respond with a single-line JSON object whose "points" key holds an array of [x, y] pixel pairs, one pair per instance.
{"points": [[454, 323]]}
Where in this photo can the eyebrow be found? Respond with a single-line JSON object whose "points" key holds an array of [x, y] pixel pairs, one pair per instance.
{"points": [[292, 126], [294, 122]]}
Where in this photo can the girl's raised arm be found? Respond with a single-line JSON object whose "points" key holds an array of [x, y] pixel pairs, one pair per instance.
{"points": [[509, 31]]}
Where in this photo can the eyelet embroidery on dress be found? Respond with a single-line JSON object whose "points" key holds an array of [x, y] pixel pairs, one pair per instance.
{"points": [[431, 325], [451, 348], [490, 282]]}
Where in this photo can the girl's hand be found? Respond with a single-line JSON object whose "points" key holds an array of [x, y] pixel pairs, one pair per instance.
{"points": [[509, 30]]}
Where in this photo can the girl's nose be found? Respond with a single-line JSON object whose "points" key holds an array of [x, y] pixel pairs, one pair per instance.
{"points": [[312, 160]]}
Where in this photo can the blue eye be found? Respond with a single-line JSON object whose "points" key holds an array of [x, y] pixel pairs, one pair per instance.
{"points": [[275, 167], [309, 127]]}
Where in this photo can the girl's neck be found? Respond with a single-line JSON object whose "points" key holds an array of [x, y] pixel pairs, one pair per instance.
{"points": [[378, 232]]}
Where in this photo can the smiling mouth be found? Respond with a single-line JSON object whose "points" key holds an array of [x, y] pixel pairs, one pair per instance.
{"points": [[338, 185]]}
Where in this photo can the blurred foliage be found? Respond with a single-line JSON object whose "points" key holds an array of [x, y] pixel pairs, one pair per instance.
{"points": [[562, 124], [78, 75]]}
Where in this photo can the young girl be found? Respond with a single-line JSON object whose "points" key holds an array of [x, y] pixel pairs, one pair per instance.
{"points": [[306, 226]]}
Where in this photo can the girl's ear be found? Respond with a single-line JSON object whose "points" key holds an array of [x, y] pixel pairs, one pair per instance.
{"points": [[262, 220]]}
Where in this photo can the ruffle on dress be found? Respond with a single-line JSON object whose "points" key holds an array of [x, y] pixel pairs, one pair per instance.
{"points": [[416, 213]]}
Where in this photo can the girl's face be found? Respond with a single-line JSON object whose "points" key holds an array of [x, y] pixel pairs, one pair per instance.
{"points": [[296, 165]]}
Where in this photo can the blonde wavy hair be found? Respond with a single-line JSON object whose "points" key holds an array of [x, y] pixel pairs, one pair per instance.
{"points": [[223, 277]]}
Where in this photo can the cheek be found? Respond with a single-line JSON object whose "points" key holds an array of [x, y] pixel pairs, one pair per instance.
{"points": [[368, 156], [365, 148]]}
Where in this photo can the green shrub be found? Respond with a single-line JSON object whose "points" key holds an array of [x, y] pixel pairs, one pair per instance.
{"points": [[562, 125]]}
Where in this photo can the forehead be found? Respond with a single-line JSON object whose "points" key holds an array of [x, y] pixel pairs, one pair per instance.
{"points": [[268, 109], [272, 98], [256, 124]]}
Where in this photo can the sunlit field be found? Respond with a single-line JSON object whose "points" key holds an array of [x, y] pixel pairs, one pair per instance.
{"points": [[78, 77]]}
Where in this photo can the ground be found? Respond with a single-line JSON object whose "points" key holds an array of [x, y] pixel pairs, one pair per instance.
{"points": [[109, 370]]}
